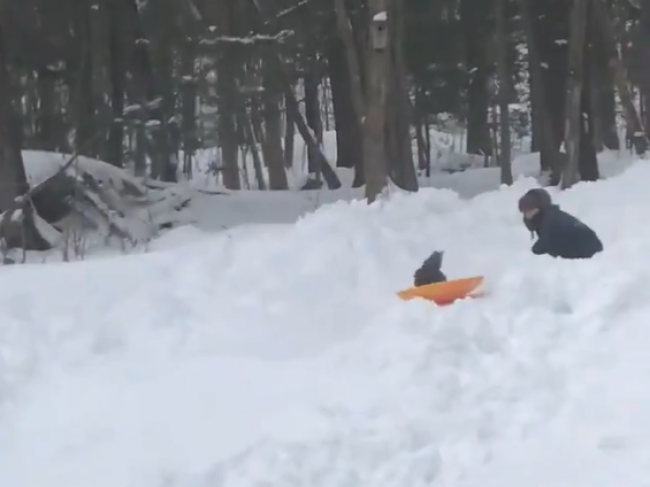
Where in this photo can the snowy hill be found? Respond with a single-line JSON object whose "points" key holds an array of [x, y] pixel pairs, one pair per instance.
{"points": [[279, 356]]}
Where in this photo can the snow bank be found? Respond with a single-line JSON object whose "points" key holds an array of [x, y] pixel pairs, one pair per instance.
{"points": [[251, 207], [284, 358]]}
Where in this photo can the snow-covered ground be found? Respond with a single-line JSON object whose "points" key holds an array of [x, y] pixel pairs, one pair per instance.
{"points": [[219, 212], [279, 355]]}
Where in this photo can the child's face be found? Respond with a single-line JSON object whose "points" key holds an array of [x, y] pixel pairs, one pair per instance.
{"points": [[530, 214]]}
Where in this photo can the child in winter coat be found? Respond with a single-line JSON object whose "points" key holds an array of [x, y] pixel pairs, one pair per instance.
{"points": [[558, 233]]}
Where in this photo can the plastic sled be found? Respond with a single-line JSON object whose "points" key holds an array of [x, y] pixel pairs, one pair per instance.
{"points": [[443, 293]]}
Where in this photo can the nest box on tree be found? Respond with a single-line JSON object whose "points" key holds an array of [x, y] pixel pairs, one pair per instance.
{"points": [[379, 31]]}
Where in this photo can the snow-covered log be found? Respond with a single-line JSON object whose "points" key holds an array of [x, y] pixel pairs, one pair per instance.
{"points": [[88, 196]]}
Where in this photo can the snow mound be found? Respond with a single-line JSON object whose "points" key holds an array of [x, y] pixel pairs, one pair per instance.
{"points": [[283, 357]]}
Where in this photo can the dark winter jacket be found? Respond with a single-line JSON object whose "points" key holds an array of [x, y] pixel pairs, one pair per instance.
{"points": [[430, 271], [562, 235]]}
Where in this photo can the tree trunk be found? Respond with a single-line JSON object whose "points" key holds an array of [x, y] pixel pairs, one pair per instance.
{"points": [[574, 123], [474, 16], [603, 101], [12, 169], [311, 82], [549, 27], [140, 153], [227, 93], [188, 96], [289, 136], [46, 134], [249, 134], [644, 53], [83, 94], [504, 85], [369, 103], [424, 156], [588, 160], [545, 133], [400, 152], [347, 122], [117, 75], [375, 164], [222, 14], [536, 123], [331, 179], [148, 95], [163, 54], [633, 121], [272, 140]]}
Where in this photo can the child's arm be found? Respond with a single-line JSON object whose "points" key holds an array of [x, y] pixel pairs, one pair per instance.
{"points": [[547, 235]]}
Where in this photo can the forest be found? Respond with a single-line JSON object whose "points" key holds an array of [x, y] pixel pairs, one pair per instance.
{"points": [[146, 84]]}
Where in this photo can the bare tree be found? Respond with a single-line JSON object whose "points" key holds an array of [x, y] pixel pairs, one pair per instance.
{"points": [[12, 171], [376, 167], [632, 119], [370, 103], [577, 41], [504, 92]]}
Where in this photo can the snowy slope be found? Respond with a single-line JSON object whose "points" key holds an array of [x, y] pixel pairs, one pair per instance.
{"points": [[281, 356]]}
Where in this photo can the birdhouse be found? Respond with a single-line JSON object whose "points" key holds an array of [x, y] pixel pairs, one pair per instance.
{"points": [[379, 31]]}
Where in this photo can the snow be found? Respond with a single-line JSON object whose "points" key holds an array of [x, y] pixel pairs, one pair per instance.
{"points": [[380, 16], [255, 207], [40, 165], [279, 355]]}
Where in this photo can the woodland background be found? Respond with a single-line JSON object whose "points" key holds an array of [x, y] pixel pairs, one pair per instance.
{"points": [[145, 85]]}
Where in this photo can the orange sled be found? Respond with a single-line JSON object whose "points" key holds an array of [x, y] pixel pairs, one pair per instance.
{"points": [[443, 293]]}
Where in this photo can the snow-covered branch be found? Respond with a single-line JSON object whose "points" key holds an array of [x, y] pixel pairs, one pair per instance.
{"points": [[255, 39]]}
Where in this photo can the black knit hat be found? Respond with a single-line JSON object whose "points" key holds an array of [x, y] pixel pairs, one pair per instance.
{"points": [[535, 199]]}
